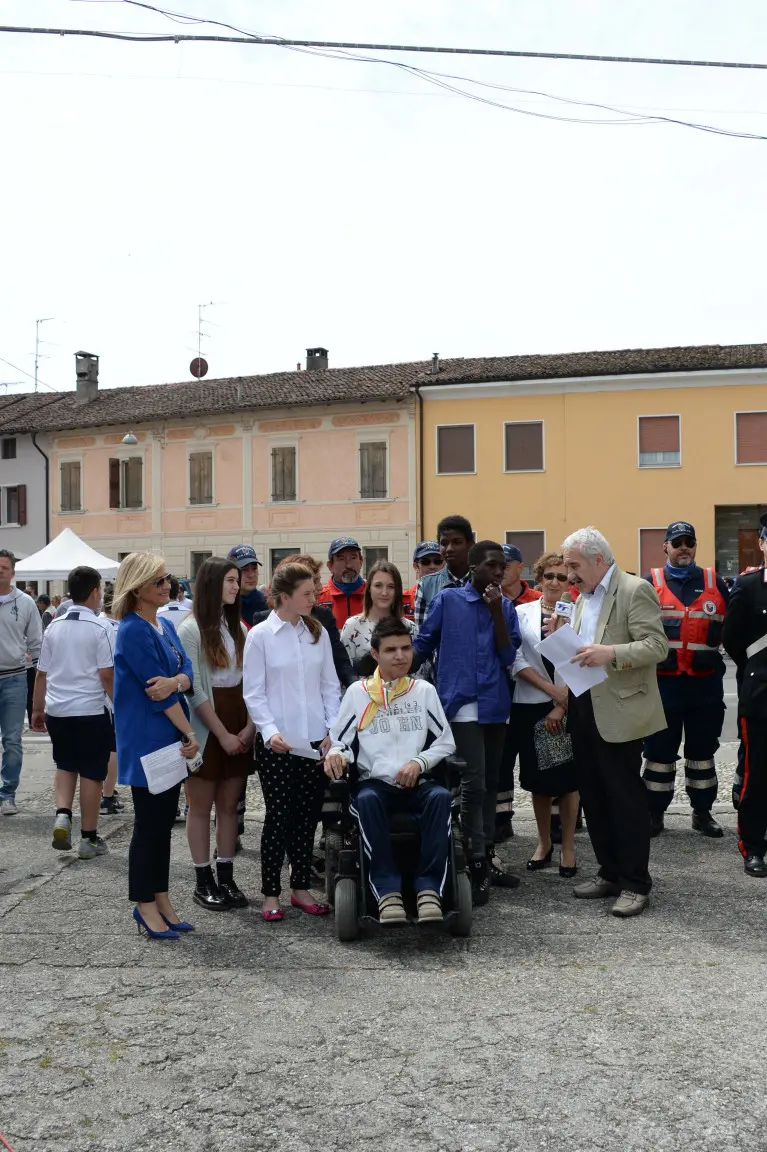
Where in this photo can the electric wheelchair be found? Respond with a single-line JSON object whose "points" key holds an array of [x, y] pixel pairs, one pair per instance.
{"points": [[346, 874]]}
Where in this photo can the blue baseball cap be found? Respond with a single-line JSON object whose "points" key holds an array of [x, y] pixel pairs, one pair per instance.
{"points": [[426, 548], [243, 555], [511, 552], [340, 543], [679, 528]]}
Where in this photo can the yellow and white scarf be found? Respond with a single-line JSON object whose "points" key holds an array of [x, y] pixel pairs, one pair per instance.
{"points": [[382, 695]]}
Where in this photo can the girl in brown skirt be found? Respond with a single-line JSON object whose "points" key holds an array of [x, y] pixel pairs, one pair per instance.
{"points": [[214, 639]]}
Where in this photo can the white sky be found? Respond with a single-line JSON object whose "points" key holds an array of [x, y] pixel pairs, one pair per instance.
{"points": [[349, 205]]}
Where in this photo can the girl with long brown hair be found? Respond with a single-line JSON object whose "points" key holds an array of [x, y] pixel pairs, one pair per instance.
{"points": [[214, 639], [292, 693], [383, 597]]}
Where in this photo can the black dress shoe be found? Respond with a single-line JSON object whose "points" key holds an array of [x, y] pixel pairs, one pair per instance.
{"points": [[227, 887], [656, 823], [536, 865], [207, 893], [755, 866], [704, 822]]}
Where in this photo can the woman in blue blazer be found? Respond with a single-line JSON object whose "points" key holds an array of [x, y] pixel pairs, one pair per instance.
{"points": [[152, 673]]}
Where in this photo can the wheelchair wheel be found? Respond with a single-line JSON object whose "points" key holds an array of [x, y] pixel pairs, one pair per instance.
{"points": [[333, 845], [347, 923], [460, 925]]}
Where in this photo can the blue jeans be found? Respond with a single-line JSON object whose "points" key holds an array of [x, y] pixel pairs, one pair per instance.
{"points": [[13, 705]]}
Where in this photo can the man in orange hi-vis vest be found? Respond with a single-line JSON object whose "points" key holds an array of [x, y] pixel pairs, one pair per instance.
{"points": [[693, 605]]}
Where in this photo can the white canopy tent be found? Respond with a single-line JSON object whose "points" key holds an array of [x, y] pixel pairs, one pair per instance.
{"points": [[56, 560]]}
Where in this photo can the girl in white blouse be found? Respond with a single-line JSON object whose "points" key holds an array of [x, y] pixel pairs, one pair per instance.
{"points": [[383, 597], [293, 695]]}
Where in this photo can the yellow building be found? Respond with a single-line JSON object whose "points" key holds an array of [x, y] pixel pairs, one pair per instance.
{"points": [[532, 447]]}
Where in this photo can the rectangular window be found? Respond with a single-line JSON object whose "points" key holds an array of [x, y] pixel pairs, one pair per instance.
{"points": [[9, 448], [121, 556], [751, 437], [371, 556], [196, 559], [200, 477], [126, 483], [659, 442], [651, 554], [373, 471], [283, 474], [13, 506], [531, 545], [277, 555], [524, 446], [455, 449], [71, 498]]}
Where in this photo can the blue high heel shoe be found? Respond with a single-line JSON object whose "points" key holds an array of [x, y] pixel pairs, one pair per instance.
{"points": [[141, 923], [182, 926]]}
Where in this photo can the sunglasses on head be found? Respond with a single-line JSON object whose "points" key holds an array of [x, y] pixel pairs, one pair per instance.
{"points": [[560, 576], [162, 580], [678, 541]]}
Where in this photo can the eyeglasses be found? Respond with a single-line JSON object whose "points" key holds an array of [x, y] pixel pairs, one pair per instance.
{"points": [[678, 541], [560, 576], [432, 561], [162, 580]]}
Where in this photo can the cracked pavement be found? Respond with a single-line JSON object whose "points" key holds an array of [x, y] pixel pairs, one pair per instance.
{"points": [[554, 1026]]}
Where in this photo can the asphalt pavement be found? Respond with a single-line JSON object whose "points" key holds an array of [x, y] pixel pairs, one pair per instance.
{"points": [[554, 1026]]}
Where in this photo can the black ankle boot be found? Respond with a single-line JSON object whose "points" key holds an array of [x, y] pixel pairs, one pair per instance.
{"points": [[480, 881], [227, 887], [207, 893]]}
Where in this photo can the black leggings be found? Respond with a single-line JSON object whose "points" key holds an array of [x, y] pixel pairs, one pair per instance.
{"points": [[292, 788], [149, 854]]}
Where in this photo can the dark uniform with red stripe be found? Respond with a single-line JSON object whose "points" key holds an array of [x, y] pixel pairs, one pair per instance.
{"points": [[690, 680], [745, 639]]}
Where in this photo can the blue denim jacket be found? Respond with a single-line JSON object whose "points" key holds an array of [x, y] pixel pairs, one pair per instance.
{"points": [[459, 627]]}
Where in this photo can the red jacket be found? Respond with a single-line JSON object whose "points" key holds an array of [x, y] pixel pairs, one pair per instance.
{"points": [[343, 606], [408, 602], [527, 595], [694, 631]]}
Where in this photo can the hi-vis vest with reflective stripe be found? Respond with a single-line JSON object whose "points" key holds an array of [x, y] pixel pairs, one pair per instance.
{"points": [[694, 631]]}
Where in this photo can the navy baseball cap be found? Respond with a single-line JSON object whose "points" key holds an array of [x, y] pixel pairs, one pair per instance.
{"points": [[340, 543], [511, 552], [679, 528], [243, 555], [426, 548]]}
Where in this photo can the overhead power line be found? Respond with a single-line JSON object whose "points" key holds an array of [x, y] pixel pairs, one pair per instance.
{"points": [[282, 42], [25, 373]]}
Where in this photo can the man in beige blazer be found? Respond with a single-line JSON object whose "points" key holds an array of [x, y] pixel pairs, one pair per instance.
{"points": [[618, 619]]}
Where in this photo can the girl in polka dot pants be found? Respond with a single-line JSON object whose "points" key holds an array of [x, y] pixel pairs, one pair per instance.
{"points": [[292, 788]]}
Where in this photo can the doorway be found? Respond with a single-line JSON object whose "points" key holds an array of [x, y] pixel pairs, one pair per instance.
{"points": [[749, 552]]}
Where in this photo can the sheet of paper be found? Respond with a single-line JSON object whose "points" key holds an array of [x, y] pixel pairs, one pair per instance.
{"points": [[299, 747], [164, 768], [559, 648]]}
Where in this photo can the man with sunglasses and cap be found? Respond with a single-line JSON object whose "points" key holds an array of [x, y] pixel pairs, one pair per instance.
{"points": [[514, 587], [745, 640], [691, 681], [248, 565], [427, 558], [345, 590]]}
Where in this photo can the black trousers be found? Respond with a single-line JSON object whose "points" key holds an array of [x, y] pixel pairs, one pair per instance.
{"points": [[292, 788], [752, 809], [614, 799], [149, 854]]}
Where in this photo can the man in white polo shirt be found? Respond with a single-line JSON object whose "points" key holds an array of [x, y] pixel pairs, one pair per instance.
{"points": [[74, 673], [179, 605]]}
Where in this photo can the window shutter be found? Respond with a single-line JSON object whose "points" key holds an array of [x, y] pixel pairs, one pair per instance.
{"points": [[22, 497], [455, 448], [651, 554], [751, 435], [531, 545], [201, 478], [658, 433], [133, 475], [373, 471], [194, 478], [283, 473], [114, 483], [524, 447]]}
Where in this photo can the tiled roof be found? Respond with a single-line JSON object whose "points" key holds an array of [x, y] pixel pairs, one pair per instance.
{"points": [[140, 404]]}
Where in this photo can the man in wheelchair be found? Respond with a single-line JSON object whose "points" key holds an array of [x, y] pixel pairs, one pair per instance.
{"points": [[395, 730]]}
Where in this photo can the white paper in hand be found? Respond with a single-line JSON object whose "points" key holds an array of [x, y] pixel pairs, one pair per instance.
{"points": [[302, 748], [559, 648], [164, 768]]}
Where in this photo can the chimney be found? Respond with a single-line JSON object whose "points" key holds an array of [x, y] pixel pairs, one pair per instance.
{"points": [[316, 358], [87, 372], [435, 364]]}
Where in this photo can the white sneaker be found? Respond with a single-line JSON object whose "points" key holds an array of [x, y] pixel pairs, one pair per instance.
{"points": [[62, 833], [8, 807]]}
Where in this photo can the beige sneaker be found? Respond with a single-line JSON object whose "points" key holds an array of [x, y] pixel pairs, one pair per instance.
{"points": [[596, 889], [391, 910], [630, 904], [429, 906]]}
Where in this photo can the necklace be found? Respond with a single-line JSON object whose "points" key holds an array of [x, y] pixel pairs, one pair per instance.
{"points": [[547, 607]]}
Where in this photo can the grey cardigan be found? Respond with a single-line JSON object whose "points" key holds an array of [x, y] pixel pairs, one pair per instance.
{"points": [[202, 693]]}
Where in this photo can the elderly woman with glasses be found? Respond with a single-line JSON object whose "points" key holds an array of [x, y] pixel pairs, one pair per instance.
{"points": [[152, 673]]}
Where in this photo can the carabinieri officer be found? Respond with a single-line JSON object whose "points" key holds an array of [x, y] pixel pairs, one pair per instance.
{"points": [[691, 681]]}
